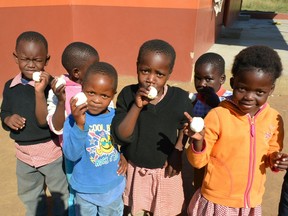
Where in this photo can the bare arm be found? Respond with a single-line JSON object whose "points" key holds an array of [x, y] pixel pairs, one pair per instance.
{"points": [[182, 140], [58, 117], [41, 111]]}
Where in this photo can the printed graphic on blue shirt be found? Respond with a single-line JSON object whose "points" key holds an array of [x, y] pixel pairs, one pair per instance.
{"points": [[101, 148]]}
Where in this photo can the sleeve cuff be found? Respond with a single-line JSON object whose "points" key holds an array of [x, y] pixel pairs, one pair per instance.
{"points": [[199, 152], [51, 126], [274, 169]]}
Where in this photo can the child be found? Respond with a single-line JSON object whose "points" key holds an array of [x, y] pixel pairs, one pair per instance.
{"points": [[39, 155], [209, 77], [243, 136], [76, 58], [149, 131], [87, 142]]}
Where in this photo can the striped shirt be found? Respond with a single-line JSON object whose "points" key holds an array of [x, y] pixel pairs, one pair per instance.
{"points": [[200, 109]]}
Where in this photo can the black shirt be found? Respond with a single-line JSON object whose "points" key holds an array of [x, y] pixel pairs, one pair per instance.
{"points": [[156, 130]]}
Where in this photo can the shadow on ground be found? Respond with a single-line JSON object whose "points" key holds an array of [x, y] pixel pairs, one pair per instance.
{"points": [[247, 31]]}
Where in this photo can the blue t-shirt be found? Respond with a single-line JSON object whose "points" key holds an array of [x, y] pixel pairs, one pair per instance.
{"points": [[96, 157]]}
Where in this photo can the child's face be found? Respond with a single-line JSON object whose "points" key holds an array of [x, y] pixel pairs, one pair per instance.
{"points": [[251, 90], [79, 73], [31, 56], [99, 92], [206, 75], [153, 69]]}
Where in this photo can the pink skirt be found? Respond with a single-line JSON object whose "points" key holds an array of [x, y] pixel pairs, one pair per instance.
{"points": [[200, 206], [149, 190]]}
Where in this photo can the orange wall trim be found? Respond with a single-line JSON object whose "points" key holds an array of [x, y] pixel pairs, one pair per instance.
{"points": [[184, 4], [116, 32]]}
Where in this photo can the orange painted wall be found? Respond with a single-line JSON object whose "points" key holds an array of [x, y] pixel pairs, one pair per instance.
{"points": [[116, 28]]}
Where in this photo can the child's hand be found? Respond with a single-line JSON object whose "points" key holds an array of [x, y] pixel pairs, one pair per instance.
{"points": [[141, 98], [60, 91], [279, 161], [15, 122], [122, 165], [78, 112], [188, 132], [174, 164], [45, 79], [210, 97]]}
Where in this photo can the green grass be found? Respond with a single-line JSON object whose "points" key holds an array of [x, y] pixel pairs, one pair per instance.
{"points": [[278, 6]]}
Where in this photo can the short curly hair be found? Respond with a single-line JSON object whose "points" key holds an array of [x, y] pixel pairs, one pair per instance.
{"points": [[102, 68], [75, 55], [215, 59], [158, 46], [32, 36], [258, 57]]}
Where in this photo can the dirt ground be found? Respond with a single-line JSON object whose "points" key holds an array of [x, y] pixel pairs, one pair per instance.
{"points": [[10, 204]]}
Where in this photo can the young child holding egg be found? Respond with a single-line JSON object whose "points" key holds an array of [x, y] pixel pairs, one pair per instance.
{"points": [[209, 77], [76, 58], [148, 126], [242, 137], [38, 152], [98, 177]]}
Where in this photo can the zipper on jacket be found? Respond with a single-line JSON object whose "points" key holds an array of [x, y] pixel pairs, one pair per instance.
{"points": [[251, 161]]}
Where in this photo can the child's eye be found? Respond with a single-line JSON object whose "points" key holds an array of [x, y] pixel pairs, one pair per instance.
{"points": [[26, 60], [160, 75], [144, 71], [208, 79], [105, 96], [38, 60], [240, 89], [260, 92], [33, 60], [91, 93]]}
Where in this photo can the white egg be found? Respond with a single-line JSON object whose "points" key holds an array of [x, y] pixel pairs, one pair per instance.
{"points": [[152, 93], [81, 98], [197, 124], [192, 97], [36, 76], [60, 81]]}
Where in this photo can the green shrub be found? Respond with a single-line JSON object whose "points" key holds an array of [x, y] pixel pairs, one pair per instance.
{"points": [[278, 6]]}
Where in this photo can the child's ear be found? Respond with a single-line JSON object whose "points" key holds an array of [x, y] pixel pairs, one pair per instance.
{"points": [[222, 79], [76, 73], [47, 60], [232, 82], [115, 92], [272, 89], [15, 58]]}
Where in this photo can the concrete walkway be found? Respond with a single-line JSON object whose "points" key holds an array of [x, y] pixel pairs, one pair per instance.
{"points": [[246, 32]]}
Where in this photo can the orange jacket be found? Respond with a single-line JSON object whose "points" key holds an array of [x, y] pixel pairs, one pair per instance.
{"points": [[237, 153]]}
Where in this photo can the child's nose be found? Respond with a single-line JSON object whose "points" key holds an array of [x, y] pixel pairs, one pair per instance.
{"points": [[151, 77], [203, 83], [30, 63], [96, 98], [249, 95]]}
